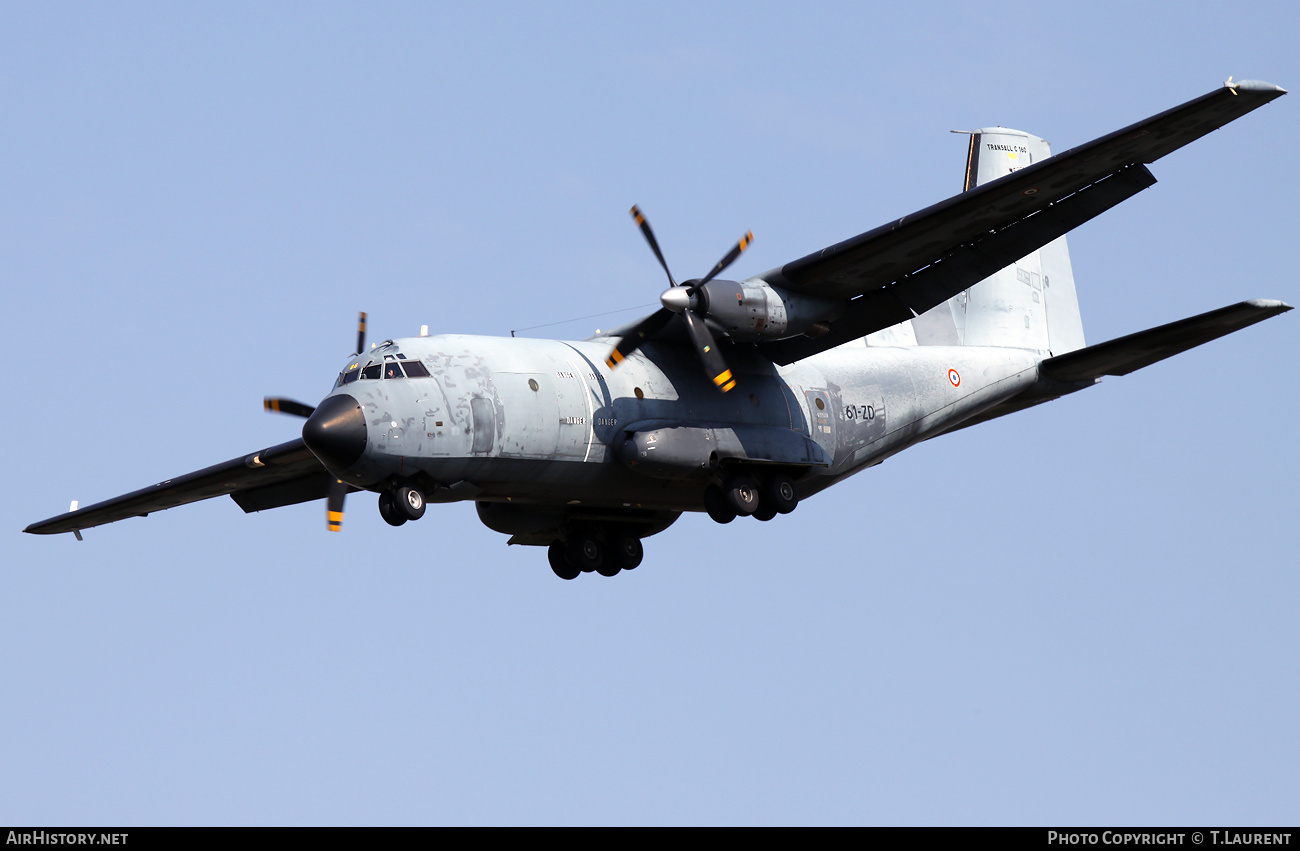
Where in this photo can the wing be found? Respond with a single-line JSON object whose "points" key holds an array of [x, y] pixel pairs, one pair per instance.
{"points": [[280, 475], [902, 269]]}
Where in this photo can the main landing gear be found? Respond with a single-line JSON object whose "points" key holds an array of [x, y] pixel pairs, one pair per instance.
{"points": [[606, 551], [400, 504], [741, 496]]}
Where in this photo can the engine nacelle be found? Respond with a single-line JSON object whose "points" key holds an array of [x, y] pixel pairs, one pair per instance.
{"points": [[750, 311]]}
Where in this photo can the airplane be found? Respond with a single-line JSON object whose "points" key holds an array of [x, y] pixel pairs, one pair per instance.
{"points": [[736, 398]]}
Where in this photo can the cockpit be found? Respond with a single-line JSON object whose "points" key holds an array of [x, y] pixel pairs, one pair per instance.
{"points": [[382, 367]]}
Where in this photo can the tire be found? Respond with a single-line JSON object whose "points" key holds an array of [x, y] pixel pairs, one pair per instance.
{"points": [[559, 560], [626, 551], [388, 511], [409, 502], [741, 495], [780, 493], [716, 505], [765, 511], [585, 551]]}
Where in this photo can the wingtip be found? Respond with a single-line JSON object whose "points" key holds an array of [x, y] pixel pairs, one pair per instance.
{"points": [[1254, 86], [1269, 304], [41, 527]]}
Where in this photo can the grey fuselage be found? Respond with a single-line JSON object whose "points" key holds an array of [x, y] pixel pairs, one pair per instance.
{"points": [[546, 422]]}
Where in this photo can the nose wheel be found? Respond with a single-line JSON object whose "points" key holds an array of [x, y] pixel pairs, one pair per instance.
{"points": [[401, 504]]}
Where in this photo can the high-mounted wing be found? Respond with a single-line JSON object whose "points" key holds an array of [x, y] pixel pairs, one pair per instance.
{"points": [[279, 475], [902, 269]]}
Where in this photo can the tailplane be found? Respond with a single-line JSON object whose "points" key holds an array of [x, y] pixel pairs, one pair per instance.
{"points": [[1126, 354]]}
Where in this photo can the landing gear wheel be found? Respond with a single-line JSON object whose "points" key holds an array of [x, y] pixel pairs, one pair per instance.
{"points": [[626, 552], [741, 495], [388, 511], [409, 502], [779, 492], [585, 551], [559, 560], [765, 511], [716, 505]]}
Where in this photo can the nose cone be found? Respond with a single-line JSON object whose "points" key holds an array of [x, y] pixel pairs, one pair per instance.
{"points": [[336, 432]]}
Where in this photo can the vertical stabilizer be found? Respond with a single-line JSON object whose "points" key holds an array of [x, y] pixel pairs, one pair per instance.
{"points": [[1030, 304]]}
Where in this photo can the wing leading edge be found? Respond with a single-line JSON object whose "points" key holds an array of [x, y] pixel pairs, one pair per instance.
{"points": [[903, 268], [279, 475]]}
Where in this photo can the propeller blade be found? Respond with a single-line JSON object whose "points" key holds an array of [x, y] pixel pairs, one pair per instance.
{"points": [[287, 406], [707, 348], [735, 252], [633, 339], [681, 302], [650, 238], [334, 505], [361, 334]]}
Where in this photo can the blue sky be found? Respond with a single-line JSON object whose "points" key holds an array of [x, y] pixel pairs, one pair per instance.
{"points": [[1081, 614]]}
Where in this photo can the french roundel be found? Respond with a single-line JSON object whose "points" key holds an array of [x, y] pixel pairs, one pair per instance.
{"points": [[954, 378]]}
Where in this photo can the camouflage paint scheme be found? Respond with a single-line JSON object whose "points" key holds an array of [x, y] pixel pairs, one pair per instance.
{"points": [[959, 313]]}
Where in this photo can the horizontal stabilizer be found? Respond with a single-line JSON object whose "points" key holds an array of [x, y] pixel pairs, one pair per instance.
{"points": [[1126, 354]]}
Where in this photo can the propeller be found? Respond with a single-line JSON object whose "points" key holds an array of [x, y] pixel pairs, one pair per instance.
{"points": [[338, 489], [287, 406], [334, 505], [682, 300]]}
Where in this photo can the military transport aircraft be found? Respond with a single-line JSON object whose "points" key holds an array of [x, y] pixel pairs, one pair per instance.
{"points": [[738, 398]]}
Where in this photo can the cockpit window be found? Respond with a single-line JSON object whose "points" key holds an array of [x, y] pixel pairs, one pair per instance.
{"points": [[390, 368], [348, 375]]}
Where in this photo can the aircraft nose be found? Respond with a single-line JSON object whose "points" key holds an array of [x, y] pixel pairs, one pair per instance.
{"points": [[336, 431]]}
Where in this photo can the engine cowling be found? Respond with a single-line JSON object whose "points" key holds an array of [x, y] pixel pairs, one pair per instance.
{"points": [[751, 311]]}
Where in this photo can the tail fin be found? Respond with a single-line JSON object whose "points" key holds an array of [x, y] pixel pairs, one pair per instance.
{"points": [[1030, 304]]}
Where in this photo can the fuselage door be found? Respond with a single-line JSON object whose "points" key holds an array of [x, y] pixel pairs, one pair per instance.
{"points": [[484, 415], [821, 420]]}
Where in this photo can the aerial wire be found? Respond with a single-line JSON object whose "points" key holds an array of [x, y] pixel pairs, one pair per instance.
{"points": [[580, 318]]}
